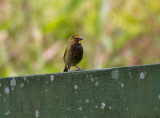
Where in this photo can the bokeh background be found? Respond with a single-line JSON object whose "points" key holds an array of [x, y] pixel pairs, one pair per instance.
{"points": [[34, 33]]}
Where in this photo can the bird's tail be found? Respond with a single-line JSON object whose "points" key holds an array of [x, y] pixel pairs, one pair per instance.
{"points": [[66, 69]]}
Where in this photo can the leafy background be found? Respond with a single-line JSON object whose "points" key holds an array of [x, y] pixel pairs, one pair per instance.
{"points": [[33, 34]]}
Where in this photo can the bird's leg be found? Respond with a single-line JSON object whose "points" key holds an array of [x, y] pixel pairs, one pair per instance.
{"points": [[79, 68], [68, 68]]}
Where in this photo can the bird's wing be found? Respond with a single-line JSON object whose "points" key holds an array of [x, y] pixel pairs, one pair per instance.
{"points": [[65, 53]]}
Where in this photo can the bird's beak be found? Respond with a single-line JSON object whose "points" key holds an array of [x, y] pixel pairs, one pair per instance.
{"points": [[80, 38]]}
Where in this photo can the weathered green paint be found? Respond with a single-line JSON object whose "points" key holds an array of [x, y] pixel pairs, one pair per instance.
{"points": [[125, 92]]}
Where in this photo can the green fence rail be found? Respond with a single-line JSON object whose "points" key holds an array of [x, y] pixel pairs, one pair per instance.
{"points": [[125, 92]]}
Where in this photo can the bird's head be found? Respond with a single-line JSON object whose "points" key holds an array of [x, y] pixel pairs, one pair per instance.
{"points": [[75, 39]]}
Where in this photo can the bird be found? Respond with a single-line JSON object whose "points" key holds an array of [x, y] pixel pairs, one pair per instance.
{"points": [[73, 53]]}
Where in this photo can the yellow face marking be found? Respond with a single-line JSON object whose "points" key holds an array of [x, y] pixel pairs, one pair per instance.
{"points": [[79, 41], [78, 37]]}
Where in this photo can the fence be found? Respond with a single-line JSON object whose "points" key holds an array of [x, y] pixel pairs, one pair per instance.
{"points": [[124, 92]]}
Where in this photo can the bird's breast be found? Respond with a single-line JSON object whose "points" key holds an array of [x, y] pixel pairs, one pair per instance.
{"points": [[76, 53], [77, 50]]}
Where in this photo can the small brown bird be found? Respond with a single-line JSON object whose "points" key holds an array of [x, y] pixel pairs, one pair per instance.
{"points": [[73, 52]]}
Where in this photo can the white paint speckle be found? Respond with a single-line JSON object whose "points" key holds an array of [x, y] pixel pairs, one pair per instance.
{"points": [[22, 85], [0, 84], [13, 82], [80, 108], [52, 77], [87, 101], [159, 96], [115, 74], [6, 90], [75, 87], [96, 83], [110, 107], [4, 99], [122, 85], [92, 79], [37, 113], [24, 78], [96, 107], [12, 88], [87, 75], [7, 112], [142, 75], [130, 74], [103, 105]]}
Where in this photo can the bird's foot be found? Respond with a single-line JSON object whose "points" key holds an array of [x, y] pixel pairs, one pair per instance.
{"points": [[79, 69], [70, 70]]}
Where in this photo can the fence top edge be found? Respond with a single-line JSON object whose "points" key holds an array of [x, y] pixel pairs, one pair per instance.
{"points": [[93, 70]]}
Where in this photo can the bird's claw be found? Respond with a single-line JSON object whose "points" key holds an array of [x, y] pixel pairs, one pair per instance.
{"points": [[70, 70], [80, 70]]}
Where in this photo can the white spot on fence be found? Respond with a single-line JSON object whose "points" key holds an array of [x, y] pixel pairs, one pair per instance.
{"points": [[87, 75], [96, 83], [22, 85], [37, 113], [7, 113], [24, 78], [80, 108], [4, 99], [13, 82], [159, 96], [103, 105], [12, 88], [110, 107], [115, 74], [92, 79], [96, 107], [6, 90], [52, 77], [122, 85], [87, 101], [130, 74], [142, 75], [75, 87]]}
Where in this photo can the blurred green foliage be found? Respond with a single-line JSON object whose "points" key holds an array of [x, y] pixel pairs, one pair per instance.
{"points": [[33, 34]]}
